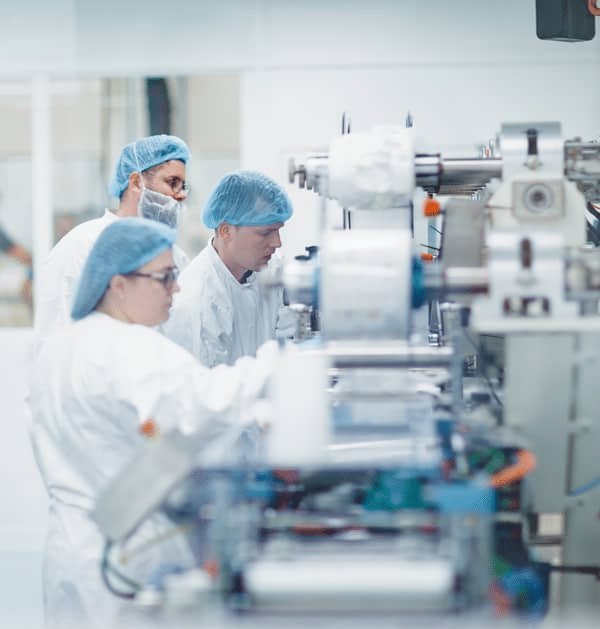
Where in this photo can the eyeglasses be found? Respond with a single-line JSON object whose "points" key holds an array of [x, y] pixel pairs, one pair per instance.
{"points": [[167, 279], [178, 185]]}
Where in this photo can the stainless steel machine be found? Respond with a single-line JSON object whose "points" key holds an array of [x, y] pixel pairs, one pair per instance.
{"points": [[399, 479]]}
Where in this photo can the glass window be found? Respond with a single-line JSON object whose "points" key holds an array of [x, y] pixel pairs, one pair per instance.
{"points": [[90, 122]]}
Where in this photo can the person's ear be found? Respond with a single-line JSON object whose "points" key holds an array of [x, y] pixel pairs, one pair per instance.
{"points": [[224, 231], [136, 182], [117, 286]]}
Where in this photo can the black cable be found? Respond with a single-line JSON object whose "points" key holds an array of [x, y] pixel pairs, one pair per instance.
{"points": [[106, 567]]}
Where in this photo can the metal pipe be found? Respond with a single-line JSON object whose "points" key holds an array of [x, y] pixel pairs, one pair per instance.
{"points": [[428, 170], [433, 173], [390, 355], [442, 282], [468, 175], [441, 175]]}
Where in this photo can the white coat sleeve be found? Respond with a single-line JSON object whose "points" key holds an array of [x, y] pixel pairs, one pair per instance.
{"points": [[206, 404]]}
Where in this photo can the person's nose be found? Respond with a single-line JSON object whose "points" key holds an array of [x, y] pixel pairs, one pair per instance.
{"points": [[175, 288], [275, 240], [181, 195]]}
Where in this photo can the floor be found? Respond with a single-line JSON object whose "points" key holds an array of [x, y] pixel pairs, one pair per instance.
{"points": [[21, 591]]}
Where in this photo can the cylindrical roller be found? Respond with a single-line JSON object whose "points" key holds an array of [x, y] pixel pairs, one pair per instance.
{"points": [[366, 284], [353, 583], [392, 355], [455, 176], [432, 172], [442, 283]]}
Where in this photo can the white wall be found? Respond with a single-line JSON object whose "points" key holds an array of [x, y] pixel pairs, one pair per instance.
{"points": [[86, 37], [461, 68]]}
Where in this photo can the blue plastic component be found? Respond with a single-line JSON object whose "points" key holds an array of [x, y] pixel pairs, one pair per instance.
{"points": [[526, 589], [341, 414], [419, 295], [395, 489], [310, 343], [261, 487], [316, 288], [259, 491], [444, 429], [463, 498]]}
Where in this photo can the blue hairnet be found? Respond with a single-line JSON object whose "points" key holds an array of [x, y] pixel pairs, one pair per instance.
{"points": [[247, 197], [123, 246], [143, 154]]}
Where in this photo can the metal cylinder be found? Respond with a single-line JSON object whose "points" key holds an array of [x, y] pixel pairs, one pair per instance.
{"points": [[366, 284], [392, 355], [468, 175], [428, 170], [433, 173], [351, 583], [455, 176], [443, 282]]}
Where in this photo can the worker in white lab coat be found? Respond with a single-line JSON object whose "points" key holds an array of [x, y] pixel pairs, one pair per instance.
{"points": [[100, 387], [149, 180], [223, 311]]}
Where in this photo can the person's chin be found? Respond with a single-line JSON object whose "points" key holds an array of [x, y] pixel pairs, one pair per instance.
{"points": [[162, 319]]}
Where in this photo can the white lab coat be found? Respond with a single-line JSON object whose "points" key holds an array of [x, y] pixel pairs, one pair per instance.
{"points": [[218, 319], [94, 382], [59, 275]]}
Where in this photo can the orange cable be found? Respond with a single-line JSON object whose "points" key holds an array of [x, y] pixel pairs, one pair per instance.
{"points": [[525, 463]]}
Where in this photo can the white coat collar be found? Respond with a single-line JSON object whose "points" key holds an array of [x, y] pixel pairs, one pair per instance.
{"points": [[224, 272]]}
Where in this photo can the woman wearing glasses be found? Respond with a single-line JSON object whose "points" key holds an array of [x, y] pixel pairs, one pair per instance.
{"points": [[103, 385]]}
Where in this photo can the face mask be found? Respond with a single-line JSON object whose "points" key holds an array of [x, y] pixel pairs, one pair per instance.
{"points": [[160, 207]]}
